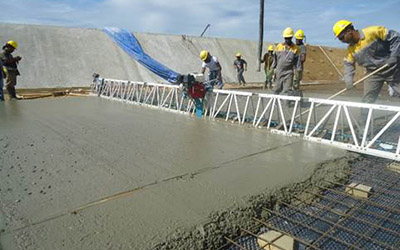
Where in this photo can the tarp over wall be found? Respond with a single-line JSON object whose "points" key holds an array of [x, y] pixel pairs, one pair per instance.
{"points": [[128, 42]]}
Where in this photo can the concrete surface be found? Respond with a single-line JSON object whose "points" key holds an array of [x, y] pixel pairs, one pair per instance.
{"points": [[89, 173], [67, 57]]}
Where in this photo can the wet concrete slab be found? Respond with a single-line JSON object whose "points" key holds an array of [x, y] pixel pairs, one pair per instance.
{"points": [[89, 173]]}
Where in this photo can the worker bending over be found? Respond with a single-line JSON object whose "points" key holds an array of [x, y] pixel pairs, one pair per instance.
{"points": [[298, 75], [268, 59], [214, 68], [286, 60], [371, 48], [10, 67]]}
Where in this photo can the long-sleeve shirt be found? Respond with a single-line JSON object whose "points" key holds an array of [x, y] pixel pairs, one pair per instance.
{"points": [[376, 46], [267, 60], [287, 58]]}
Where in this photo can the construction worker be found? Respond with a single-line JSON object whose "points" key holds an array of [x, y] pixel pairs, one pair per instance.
{"points": [[286, 60], [214, 68], [268, 59], [10, 67], [298, 75], [240, 65], [371, 48], [1, 82]]}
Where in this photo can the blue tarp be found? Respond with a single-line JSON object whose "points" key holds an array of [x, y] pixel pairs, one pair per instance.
{"points": [[128, 42]]}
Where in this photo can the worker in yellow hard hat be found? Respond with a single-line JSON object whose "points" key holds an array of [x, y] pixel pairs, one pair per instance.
{"points": [[240, 65], [298, 75], [286, 60], [372, 48], [10, 67], [268, 59], [214, 68]]}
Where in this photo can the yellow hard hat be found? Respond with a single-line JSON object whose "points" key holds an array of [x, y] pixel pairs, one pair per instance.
{"points": [[203, 55], [238, 54], [340, 26], [13, 44], [299, 34], [271, 48], [287, 33]]}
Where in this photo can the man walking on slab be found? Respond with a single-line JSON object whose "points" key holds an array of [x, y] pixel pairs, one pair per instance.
{"points": [[10, 66], [371, 48], [286, 60], [240, 65]]}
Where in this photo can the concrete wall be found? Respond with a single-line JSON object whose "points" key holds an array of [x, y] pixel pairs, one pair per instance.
{"points": [[66, 57]]}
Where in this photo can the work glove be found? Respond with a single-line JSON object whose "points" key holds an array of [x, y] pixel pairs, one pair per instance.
{"points": [[349, 85], [391, 61], [18, 58]]}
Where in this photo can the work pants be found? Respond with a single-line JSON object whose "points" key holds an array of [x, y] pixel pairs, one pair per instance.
{"points": [[214, 75], [240, 76], [283, 82], [298, 76], [11, 81], [268, 77]]}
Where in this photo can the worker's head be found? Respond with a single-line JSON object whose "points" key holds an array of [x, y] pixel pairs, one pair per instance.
{"points": [[205, 56], [288, 35], [238, 55], [345, 32], [10, 46], [299, 35], [270, 49]]}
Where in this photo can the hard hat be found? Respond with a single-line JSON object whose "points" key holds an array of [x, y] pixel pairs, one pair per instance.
{"points": [[340, 26], [287, 33], [203, 55], [299, 34], [271, 48], [13, 44], [238, 54]]}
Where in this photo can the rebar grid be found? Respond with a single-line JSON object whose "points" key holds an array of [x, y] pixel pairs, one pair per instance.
{"points": [[331, 218]]}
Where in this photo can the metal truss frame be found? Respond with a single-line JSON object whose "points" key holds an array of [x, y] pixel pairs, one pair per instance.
{"points": [[279, 114]]}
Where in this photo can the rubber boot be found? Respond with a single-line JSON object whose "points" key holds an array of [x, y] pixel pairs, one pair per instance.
{"points": [[199, 108]]}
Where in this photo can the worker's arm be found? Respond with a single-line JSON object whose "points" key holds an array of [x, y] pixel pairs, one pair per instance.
{"points": [[349, 69], [274, 61], [393, 38], [299, 65], [203, 70], [219, 71], [263, 59], [245, 65]]}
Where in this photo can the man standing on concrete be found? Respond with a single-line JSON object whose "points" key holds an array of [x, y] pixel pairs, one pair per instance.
{"points": [[371, 48], [286, 60], [10, 64], [240, 65], [268, 60], [298, 75], [214, 68]]}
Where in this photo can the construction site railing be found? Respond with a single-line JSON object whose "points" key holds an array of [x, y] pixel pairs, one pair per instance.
{"points": [[365, 128]]}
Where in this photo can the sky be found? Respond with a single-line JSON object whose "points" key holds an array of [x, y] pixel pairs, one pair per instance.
{"points": [[228, 18]]}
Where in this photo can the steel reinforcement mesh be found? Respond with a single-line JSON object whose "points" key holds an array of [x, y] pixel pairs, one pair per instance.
{"points": [[335, 219]]}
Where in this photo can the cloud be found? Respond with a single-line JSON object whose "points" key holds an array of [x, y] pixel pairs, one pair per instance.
{"points": [[228, 18]]}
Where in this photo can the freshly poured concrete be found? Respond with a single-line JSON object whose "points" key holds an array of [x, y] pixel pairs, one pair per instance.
{"points": [[60, 159]]}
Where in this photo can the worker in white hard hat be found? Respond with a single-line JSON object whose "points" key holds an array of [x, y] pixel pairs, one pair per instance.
{"points": [[240, 65], [268, 59], [298, 75], [10, 67], [286, 60], [214, 68], [371, 48]]}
